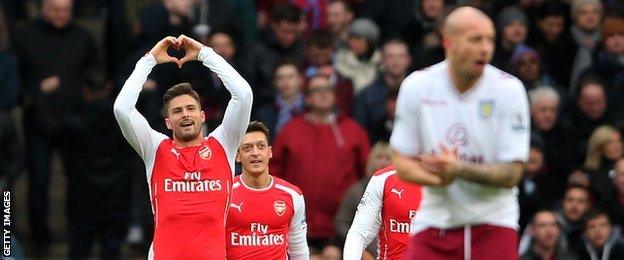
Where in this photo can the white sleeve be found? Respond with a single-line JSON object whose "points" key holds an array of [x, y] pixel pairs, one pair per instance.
{"points": [[404, 138], [297, 242], [134, 126], [367, 220], [238, 111], [513, 139]]}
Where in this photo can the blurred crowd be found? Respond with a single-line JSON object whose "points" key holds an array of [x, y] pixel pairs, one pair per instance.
{"points": [[325, 76]]}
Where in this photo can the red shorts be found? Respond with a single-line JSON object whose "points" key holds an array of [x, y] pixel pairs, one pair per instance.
{"points": [[472, 242]]}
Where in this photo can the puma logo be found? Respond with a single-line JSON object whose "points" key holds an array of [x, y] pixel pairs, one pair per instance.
{"points": [[398, 193], [176, 153], [238, 207]]}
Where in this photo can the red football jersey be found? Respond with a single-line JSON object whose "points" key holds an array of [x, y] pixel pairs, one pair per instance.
{"points": [[189, 187], [266, 223], [385, 211]]}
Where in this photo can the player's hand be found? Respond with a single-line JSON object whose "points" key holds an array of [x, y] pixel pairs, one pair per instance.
{"points": [[192, 48], [444, 165], [159, 51], [50, 84]]}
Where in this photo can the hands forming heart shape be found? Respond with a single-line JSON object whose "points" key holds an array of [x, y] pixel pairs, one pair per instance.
{"points": [[190, 46]]}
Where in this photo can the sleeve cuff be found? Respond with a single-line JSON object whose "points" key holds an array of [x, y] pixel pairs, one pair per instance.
{"points": [[203, 53], [149, 60]]}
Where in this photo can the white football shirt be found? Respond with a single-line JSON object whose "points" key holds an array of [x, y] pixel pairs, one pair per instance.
{"points": [[489, 123]]}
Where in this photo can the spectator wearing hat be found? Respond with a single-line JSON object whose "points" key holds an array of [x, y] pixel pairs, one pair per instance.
{"points": [[586, 16], [512, 25], [553, 41], [526, 64], [360, 60], [608, 60]]}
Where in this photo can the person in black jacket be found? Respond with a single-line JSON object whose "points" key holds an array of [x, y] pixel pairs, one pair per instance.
{"points": [[53, 53], [600, 239], [97, 160]]}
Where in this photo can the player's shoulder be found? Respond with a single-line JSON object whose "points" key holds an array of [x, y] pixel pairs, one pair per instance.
{"points": [[503, 80], [424, 78], [389, 170], [288, 187]]}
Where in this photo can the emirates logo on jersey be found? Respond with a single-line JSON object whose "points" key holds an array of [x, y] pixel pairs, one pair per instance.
{"points": [[280, 207], [205, 153]]}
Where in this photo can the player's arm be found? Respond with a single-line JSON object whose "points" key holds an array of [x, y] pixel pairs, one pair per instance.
{"points": [[238, 111], [134, 126], [366, 222], [297, 242], [410, 170], [506, 175]]}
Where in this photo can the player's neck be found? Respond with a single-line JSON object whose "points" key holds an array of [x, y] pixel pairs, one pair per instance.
{"points": [[461, 82], [260, 181], [183, 144]]}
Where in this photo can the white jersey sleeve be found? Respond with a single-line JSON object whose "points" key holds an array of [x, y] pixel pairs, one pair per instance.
{"points": [[297, 242], [404, 138], [513, 140], [238, 111], [134, 126], [367, 220]]}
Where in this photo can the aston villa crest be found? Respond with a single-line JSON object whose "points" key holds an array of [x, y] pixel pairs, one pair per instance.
{"points": [[280, 207]]}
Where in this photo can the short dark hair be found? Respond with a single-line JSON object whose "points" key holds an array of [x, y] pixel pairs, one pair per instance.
{"points": [[321, 38], [543, 210], [176, 91], [286, 62], [257, 126], [286, 13], [596, 213], [345, 4], [590, 78]]}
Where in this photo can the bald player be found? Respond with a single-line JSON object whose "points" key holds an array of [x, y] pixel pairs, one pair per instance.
{"points": [[462, 131]]}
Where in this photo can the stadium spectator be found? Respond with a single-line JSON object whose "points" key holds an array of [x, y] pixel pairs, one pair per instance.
{"points": [[553, 41], [339, 18], [512, 26], [319, 54], [321, 151], [604, 148], [279, 42], [608, 61], [547, 240], [370, 104], [613, 203], [288, 102], [378, 158], [557, 134], [586, 16], [600, 238], [41, 74], [591, 110], [577, 201], [95, 172], [359, 61], [526, 64]]}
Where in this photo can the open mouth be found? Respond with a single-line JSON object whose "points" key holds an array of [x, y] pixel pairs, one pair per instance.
{"points": [[256, 161], [187, 123]]}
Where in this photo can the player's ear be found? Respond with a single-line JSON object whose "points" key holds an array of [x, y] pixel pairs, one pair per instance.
{"points": [[168, 123], [238, 157], [270, 152], [203, 116]]}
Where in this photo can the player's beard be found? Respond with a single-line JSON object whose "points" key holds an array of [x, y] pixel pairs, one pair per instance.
{"points": [[186, 136]]}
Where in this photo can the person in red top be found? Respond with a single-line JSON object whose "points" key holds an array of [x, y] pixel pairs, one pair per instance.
{"points": [[266, 219], [323, 153], [386, 212], [190, 176]]}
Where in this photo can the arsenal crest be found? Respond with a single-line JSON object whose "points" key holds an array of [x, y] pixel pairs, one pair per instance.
{"points": [[279, 207], [205, 153]]}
